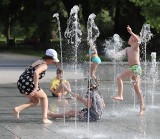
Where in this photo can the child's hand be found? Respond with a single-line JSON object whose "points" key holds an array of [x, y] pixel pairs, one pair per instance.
{"points": [[59, 95], [129, 29]]}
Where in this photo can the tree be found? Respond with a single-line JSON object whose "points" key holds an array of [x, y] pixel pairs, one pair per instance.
{"points": [[150, 9], [9, 12], [35, 16]]}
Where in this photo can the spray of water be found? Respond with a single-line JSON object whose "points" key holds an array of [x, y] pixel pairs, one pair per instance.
{"points": [[56, 15], [113, 51], [73, 35], [154, 75], [93, 33], [113, 47], [73, 31], [92, 29], [145, 36]]}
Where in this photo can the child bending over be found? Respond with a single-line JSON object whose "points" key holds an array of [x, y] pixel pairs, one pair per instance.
{"points": [[94, 105]]}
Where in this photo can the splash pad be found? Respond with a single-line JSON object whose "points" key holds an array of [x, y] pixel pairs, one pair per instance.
{"points": [[120, 110]]}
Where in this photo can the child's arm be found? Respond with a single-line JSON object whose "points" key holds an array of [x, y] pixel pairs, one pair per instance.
{"points": [[78, 97], [133, 34], [52, 90], [87, 102]]}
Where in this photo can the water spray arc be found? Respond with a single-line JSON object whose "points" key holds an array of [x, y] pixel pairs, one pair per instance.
{"points": [[56, 15], [73, 35], [145, 36], [92, 34]]}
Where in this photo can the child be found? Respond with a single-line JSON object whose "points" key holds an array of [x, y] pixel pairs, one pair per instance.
{"points": [[134, 70], [93, 54], [94, 103], [28, 85], [56, 86]]}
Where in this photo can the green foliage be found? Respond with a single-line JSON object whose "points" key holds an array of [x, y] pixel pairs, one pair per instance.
{"points": [[31, 31], [27, 18], [18, 31], [105, 23], [151, 12], [2, 38]]}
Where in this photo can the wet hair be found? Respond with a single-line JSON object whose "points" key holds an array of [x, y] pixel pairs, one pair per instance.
{"points": [[47, 57], [59, 70], [93, 84]]}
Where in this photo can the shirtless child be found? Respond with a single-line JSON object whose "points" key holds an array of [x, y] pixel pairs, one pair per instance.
{"points": [[134, 70]]}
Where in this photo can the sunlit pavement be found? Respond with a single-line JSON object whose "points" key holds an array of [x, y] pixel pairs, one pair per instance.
{"points": [[120, 120]]}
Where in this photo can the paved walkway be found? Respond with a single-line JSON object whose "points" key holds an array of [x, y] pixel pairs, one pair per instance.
{"points": [[119, 121], [12, 65]]}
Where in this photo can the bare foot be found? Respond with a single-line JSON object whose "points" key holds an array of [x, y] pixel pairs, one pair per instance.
{"points": [[117, 98], [142, 110], [47, 121], [16, 113], [50, 114]]}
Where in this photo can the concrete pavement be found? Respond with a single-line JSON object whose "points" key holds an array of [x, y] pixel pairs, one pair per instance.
{"points": [[12, 65]]}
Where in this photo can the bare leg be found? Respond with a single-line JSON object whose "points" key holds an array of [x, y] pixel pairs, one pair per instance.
{"points": [[93, 70], [136, 85], [44, 104], [125, 74], [120, 89], [67, 87], [32, 103], [69, 114], [64, 88]]}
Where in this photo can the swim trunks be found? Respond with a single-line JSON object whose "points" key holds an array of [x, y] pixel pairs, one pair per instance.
{"points": [[136, 69], [96, 59]]}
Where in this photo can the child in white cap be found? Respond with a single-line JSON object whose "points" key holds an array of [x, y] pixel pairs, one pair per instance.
{"points": [[28, 84]]}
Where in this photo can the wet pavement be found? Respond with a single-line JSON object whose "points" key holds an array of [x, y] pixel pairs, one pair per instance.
{"points": [[120, 120]]}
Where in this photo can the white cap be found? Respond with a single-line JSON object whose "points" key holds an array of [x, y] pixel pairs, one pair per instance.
{"points": [[52, 53]]}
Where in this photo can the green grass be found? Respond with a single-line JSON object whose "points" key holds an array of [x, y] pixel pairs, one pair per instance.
{"points": [[3, 39]]}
